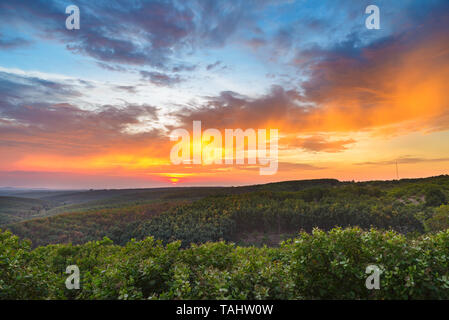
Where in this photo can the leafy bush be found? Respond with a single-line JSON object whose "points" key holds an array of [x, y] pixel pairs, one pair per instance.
{"points": [[440, 219], [321, 265], [22, 273], [332, 265], [435, 197]]}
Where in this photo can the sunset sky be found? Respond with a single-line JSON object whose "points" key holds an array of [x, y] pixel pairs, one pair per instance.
{"points": [[94, 107]]}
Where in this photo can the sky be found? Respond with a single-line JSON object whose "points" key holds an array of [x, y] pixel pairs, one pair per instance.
{"points": [[95, 107]]}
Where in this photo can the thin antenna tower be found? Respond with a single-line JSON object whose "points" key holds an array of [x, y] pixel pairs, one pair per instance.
{"points": [[397, 171]]}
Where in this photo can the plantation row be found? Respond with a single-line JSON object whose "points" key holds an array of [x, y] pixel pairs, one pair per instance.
{"points": [[312, 266], [228, 217]]}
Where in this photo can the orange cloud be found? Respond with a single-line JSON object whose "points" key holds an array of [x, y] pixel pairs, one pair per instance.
{"points": [[394, 87]]}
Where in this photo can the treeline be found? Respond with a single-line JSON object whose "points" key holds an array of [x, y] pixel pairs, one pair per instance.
{"points": [[312, 266]]}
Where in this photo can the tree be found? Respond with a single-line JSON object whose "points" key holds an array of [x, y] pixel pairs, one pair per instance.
{"points": [[435, 197], [440, 220]]}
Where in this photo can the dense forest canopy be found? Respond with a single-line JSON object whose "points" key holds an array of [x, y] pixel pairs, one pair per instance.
{"points": [[262, 213]]}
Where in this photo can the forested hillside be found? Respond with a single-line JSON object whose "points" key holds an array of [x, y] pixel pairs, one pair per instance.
{"points": [[249, 215], [15, 209], [21, 205], [225, 243]]}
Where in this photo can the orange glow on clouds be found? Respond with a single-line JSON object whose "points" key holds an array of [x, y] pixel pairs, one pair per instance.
{"points": [[361, 116]]}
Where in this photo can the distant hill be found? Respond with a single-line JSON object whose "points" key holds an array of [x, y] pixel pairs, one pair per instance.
{"points": [[23, 204], [31, 204], [15, 209]]}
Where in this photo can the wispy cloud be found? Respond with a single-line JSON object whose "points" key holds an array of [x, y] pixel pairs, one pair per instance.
{"points": [[160, 79], [404, 160]]}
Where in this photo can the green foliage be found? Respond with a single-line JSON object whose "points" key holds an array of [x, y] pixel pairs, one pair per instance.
{"points": [[133, 246], [117, 224], [15, 209], [332, 266], [321, 265], [323, 204], [435, 197], [22, 273], [440, 219], [227, 218]]}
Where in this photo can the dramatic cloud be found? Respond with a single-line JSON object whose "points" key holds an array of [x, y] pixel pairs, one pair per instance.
{"points": [[160, 30], [341, 96], [213, 65], [160, 79], [17, 89], [33, 114], [317, 144], [13, 43], [130, 89], [184, 67], [400, 79]]}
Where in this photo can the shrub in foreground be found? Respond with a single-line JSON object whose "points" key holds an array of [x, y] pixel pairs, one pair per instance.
{"points": [[319, 265]]}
